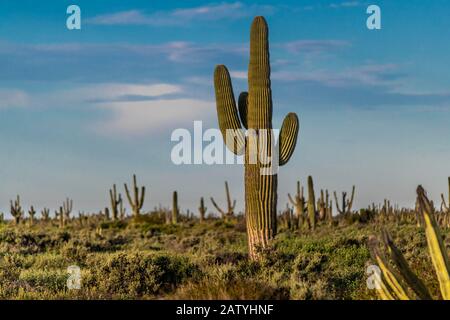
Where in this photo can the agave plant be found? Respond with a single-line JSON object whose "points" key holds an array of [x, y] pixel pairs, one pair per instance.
{"points": [[400, 282]]}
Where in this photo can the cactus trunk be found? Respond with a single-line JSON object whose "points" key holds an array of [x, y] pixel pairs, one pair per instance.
{"points": [[255, 110]]}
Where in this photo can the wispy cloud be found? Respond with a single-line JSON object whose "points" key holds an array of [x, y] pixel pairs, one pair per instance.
{"points": [[345, 4], [11, 98], [143, 117], [314, 46], [209, 12]]}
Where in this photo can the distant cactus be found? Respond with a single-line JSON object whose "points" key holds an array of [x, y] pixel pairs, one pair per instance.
{"points": [[230, 207], [255, 114], [45, 214], [202, 210], [16, 210], [299, 204], [401, 283], [445, 206], [175, 208], [116, 201], [61, 217], [311, 204], [137, 201], [346, 204], [67, 209], [31, 213]]}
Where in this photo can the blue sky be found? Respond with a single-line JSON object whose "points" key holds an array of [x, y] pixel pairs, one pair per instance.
{"points": [[83, 109]]}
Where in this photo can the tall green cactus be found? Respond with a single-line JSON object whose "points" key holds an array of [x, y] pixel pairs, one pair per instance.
{"points": [[230, 206], [445, 206], [137, 201], [311, 204], [299, 203], [255, 114], [202, 209], [175, 208], [116, 201], [31, 213], [16, 210]]}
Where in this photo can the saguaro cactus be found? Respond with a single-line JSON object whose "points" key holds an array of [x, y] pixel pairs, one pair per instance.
{"points": [[175, 209], [116, 201], [202, 209], [67, 208], [138, 202], [299, 204], [311, 204], [445, 206], [16, 210], [45, 214], [31, 213], [255, 114], [346, 204], [230, 207]]}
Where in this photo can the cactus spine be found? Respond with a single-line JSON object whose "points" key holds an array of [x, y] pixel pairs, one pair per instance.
{"points": [[138, 201], [311, 204], [16, 210], [230, 207], [202, 210], [175, 208], [255, 112], [116, 201]]}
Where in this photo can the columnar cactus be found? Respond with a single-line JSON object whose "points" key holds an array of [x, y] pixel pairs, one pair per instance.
{"points": [[137, 201], [67, 208], [31, 213], [45, 214], [116, 201], [346, 204], [255, 115], [16, 210], [175, 208], [401, 283], [230, 207], [61, 217], [299, 204], [202, 209], [311, 204], [445, 206]]}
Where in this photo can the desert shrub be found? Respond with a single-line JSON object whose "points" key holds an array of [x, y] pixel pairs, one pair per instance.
{"points": [[136, 274]]}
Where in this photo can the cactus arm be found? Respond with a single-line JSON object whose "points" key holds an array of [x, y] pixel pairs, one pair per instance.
{"points": [[243, 108], [435, 244], [141, 201], [127, 192], [217, 207], [350, 203], [291, 200], [399, 260], [288, 138], [444, 206], [337, 202], [227, 111]]}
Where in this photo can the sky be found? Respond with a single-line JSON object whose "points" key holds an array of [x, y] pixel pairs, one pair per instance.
{"points": [[83, 109]]}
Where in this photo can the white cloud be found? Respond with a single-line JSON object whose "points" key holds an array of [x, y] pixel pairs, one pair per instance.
{"points": [[215, 11], [239, 74], [142, 117], [11, 98], [314, 46]]}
